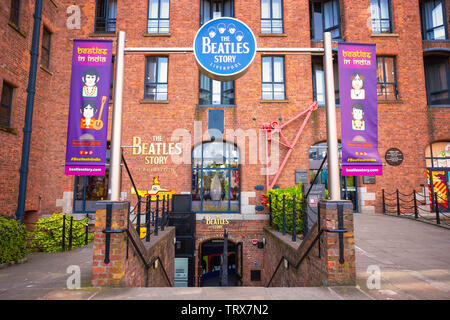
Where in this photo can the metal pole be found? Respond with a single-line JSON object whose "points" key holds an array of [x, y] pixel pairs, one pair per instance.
{"points": [[20, 213], [330, 100], [398, 203], [116, 129], [294, 220], [416, 213]]}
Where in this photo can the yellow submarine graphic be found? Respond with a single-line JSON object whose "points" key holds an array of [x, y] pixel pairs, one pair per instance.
{"points": [[155, 192]]}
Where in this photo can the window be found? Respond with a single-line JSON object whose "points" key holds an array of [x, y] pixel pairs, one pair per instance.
{"points": [[212, 92], [271, 16], [156, 78], [158, 16], [14, 16], [211, 9], [381, 16], [105, 17], [437, 77], [386, 79], [325, 17], [273, 86], [319, 80], [216, 178], [434, 24], [45, 52], [6, 105]]}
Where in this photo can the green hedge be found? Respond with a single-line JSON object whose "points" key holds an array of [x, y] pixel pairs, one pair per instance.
{"points": [[48, 232], [13, 240], [276, 196]]}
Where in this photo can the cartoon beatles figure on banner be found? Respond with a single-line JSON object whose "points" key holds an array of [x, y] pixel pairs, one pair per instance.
{"points": [[90, 79], [357, 91], [358, 122], [88, 110]]}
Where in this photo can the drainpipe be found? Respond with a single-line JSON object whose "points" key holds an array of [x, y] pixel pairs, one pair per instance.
{"points": [[20, 213]]}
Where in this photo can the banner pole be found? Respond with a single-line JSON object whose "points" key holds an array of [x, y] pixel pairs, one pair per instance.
{"points": [[116, 129], [334, 189]]}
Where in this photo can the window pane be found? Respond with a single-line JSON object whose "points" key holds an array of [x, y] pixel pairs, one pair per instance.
{"points": [[278, 66], [151, 69], [389, 67], [165, 6], [374, 9], [267, 69], [384, 9], [215, 190], [437, 16], [267, 93], [276, 9], [320, 86], [216, 94], [153, 9], [162, 70], [265, 9]]}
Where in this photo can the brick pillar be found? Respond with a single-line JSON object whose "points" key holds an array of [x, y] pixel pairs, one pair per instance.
{"points": [[109, 274], [337, 273]]}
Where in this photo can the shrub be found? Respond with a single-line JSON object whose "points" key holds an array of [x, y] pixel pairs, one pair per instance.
{"points": [[276, 196], [13, 240], [48, 233]]}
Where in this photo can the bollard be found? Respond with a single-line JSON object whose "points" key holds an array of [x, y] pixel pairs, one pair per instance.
{"points": [[398, 203], [438, 219], [384, 202], [416, 213]]}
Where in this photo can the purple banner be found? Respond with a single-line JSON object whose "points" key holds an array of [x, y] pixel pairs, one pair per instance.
{"points": [[359, 116], [88, 109]]}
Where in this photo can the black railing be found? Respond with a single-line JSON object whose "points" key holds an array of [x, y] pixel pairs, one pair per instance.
{"points": [[147, 264], [305, 207], [340, 231], [58, 235], [400, 204]]}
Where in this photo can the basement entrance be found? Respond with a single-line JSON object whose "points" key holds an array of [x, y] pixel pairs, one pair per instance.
{"points": [[211, 268]]}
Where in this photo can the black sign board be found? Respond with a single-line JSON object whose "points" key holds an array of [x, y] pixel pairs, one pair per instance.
{"points": [[301, 176], [394, 157], [369, 179]]}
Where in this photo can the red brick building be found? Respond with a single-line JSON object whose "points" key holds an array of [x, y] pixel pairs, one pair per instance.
{"points": [[413, 98]]}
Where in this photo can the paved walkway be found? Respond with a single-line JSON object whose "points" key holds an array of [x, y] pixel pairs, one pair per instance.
{"points": [[413, 259]]}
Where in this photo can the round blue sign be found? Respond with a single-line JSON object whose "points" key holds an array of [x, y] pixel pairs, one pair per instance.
{"points": [[224, 48]]}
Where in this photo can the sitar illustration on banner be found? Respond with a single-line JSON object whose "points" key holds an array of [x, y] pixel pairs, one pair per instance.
{"points": [[88, 108], [359, 118]]}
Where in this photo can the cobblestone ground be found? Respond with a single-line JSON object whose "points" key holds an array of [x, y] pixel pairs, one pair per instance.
{"points": [[412, 259]]}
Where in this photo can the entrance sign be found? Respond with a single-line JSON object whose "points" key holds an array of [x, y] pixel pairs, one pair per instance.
{"points": [[224, 48], [359, 118], [88, 108]]}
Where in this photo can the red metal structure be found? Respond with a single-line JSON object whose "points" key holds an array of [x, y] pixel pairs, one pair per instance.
{"points": [[275, 127]]}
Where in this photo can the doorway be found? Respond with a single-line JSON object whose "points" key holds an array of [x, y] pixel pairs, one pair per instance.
{"points": [[210, 263]]}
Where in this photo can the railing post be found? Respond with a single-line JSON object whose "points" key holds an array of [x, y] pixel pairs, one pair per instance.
{"points": [[384, 202], [147, 218], [138, 218], [156, 215], [70, 233], [340, 212], [318, 228], [270, 209], [108, 228], [64, 233], [284, 214], [398, 203], [163, 215], [416, 213], [438, 219], [294, 218], [86, 236]]}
